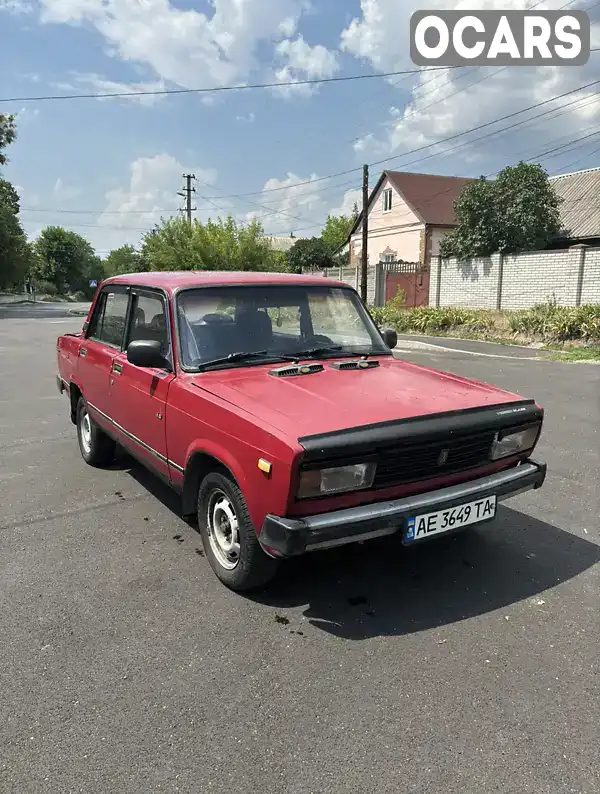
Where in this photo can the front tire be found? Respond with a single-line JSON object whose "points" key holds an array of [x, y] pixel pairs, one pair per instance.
{"points": [[96, 448], [228, 535]]}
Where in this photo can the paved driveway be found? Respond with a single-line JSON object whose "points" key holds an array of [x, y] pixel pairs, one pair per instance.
{"points": [[467, 665]]}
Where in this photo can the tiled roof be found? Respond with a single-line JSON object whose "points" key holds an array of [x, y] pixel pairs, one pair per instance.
{"points": [[431, 197], [279, 243], [580, 209]]}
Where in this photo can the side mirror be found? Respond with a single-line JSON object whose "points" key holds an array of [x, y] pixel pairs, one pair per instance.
{"points": [[146, 353], [390, 337]]}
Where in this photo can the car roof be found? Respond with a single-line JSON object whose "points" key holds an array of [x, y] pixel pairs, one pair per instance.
{"points": [[190, 278]]}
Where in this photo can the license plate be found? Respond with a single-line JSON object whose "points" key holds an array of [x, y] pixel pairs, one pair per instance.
{"points": [[428, 524]]}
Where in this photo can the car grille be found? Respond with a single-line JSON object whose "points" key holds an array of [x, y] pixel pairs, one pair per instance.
{"points": [[411, 463]]}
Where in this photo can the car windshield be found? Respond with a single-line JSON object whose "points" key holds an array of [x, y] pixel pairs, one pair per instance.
{"points": [[277, 321]]}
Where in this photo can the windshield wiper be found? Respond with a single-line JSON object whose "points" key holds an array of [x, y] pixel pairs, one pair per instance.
{"points": [[313, 351], [238, 356]]}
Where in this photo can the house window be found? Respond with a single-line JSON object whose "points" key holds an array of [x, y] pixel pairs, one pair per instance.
{"points": [[387, 200], [387, 258]]}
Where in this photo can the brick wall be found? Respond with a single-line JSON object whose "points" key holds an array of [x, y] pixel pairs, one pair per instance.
{"points": [[517, 281], [590, 291], [472, 284]]}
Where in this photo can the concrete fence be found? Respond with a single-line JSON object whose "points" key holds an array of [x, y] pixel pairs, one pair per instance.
{"points": [[571, 277]]}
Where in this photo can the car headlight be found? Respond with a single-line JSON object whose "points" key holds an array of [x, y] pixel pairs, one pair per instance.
{"points": [[340, 479], [514, 440]]}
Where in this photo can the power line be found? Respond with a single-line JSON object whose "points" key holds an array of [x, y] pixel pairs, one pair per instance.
{"points": [[215, 89], [420, 148], [426, 201], [489, 123], [555, 113]]}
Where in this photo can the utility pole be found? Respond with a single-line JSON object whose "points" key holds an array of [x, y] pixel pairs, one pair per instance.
{"points": [[365, 233], [187, 195]]}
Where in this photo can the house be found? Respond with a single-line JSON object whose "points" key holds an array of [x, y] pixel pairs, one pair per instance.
{"points": [[409, 215], [580, 208], [282, 243]]}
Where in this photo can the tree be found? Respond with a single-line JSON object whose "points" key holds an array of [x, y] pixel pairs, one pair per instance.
{"points": [[336, 230], [309, 254], [216, 245], [15, 252], [519, 211], [67, 260], [8, 132], [124, 260]]}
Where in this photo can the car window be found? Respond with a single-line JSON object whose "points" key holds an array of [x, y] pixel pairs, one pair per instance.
{"points": [[285, 319], [149, 321], [215, 322], [333, 314], [108, 322]]}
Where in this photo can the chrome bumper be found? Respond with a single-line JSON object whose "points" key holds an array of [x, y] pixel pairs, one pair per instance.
{"points": [[288, 537]]}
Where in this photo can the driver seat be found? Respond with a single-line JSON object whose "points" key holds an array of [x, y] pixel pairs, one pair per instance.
{"points": [[254, 329]]}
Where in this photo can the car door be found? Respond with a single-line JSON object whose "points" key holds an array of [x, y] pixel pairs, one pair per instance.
{"points": [[103, 341], [138, 395]]}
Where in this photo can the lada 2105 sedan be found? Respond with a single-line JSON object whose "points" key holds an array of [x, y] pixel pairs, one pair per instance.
{"points": [[275, 406]]}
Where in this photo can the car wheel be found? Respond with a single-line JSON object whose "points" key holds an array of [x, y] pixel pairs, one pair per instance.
{"points": [[229, 537], [96, 447]]}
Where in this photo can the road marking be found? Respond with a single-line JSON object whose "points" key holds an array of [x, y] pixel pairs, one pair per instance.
{"points": [[410, 346]]}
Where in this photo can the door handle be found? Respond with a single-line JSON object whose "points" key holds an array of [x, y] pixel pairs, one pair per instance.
{"points": [[82, 352], [117, 368]]}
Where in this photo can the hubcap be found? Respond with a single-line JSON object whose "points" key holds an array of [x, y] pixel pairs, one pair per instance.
{"points": [[86, 431], [223, 530]]}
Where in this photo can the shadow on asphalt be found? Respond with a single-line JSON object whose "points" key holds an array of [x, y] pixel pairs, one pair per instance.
{"points": [[381, 588]]}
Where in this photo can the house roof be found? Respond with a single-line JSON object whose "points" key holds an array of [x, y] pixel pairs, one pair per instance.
{"points": [[580, 209], [282, 243], [431, 197]]}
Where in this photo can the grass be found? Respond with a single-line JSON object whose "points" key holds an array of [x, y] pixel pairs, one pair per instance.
{"points": [[586, 354]]}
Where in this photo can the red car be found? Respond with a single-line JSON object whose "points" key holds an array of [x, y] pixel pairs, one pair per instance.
{"points": [[275, 406]]}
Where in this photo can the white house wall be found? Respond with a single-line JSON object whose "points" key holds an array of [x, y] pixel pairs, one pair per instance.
{"points": [[398, 230]]}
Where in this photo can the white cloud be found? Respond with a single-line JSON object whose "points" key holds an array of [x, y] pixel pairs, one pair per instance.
{"points": [[16, 6], [287, 27], [449, 102], [249, 119], [150, 195], [301, 61], [187, 47], [349, 199], [103, 86], [63, 192], [300, 204], [27, 115]]}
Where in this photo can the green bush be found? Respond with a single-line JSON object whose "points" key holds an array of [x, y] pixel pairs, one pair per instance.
{"points": [[560, 323], [46, 288], [547, 321], [429, 319]]}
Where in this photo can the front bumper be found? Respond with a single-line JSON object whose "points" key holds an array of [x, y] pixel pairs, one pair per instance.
{"points": [[288, 537]]}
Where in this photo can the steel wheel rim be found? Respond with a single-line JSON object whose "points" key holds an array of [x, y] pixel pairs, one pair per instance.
{"points": [[223, 530], [86, 430]]}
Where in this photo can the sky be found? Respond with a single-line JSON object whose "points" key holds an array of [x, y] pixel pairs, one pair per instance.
{"points": [[111, 168]]}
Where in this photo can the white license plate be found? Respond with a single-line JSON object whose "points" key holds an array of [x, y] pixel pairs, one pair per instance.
{"points": [[428, 524]]}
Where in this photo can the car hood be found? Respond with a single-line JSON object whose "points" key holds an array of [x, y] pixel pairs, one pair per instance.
{"points": [[334, 399]]}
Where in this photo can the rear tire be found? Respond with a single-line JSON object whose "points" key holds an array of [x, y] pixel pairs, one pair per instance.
{"points": [[96, 448], [229, 537]]}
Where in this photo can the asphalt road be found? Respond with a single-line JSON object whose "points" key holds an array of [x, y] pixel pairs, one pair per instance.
{"points": [[466, 665]]}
